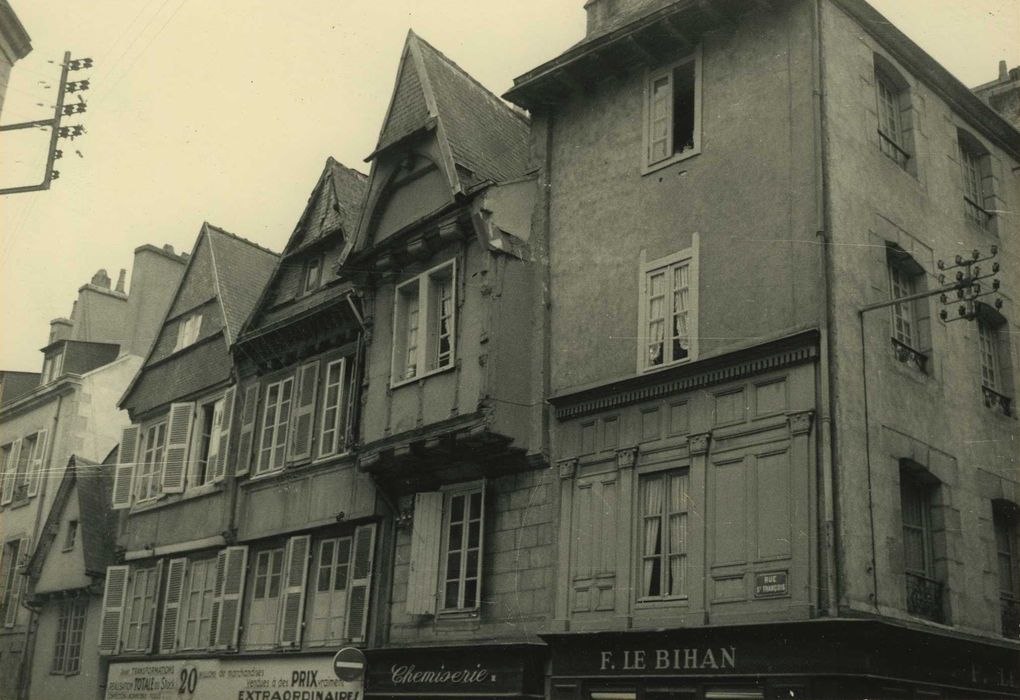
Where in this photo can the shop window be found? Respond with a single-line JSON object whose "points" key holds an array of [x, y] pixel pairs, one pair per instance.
{"points": [[13, 558], [333, 430], [425, 323], [70, 631], [895, 133], [924, 590], [975, 166], [70, 535], [264, 611], [196, 611], [911, 321], [187, 331], [139, 615], [668, 312], [663, 509], [673, 113], [1005, 519], [275, 422]]}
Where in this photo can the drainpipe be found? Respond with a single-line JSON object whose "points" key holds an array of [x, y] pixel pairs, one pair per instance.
{"points": [[827, 393], [25, 671]]}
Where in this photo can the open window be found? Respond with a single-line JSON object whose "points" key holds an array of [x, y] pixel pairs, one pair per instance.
{"points": [[425, 323], [188, 329], [673, 113]]}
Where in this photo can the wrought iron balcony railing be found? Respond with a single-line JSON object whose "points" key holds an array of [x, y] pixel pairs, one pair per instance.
{"points": [[907, 355], [976, 213], [997, 401], [1010, 612], [924, 597], [893, 150]]}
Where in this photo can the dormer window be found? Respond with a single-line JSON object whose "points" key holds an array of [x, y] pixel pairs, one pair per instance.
{"points": [[53, 367], [187, 331], [313, 275]]}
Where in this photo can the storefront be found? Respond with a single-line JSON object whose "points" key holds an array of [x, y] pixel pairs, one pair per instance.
{"points": [[475, 672], [820, 659]]}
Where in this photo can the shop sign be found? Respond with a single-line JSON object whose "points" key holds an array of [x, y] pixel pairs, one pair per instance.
{"points": [[297, 678], [483, 671], [771, 584]]}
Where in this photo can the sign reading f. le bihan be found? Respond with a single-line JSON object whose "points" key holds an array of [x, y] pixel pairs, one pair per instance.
{"points": [[340, 677]]}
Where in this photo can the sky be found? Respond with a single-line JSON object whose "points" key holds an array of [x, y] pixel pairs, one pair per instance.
{"points": [[226, 112]]}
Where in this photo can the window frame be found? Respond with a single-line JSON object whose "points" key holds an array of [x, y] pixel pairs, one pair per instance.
{"points": [[22, 473], [70, 535], [667, 475], [666, 265], [648, 164], [201, 453], [278, 427], [313, 591], [894, 132], [11, 588], [466, 491], [271, 555], [427, 336], [189, 329], [188, 593], [339, 443], [314, 263], [67, 646], [154, 476], [148, 602], [977, 183]]}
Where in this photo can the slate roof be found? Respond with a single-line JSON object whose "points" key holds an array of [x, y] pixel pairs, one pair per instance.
{"points": [[486, 135], [242, 269], [97, 522]]}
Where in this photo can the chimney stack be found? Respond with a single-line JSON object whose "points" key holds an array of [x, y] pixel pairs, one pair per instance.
{"points": [[120, 280]]}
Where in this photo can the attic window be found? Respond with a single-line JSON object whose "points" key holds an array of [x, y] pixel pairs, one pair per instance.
{"points": [[313, 275], [673, 113], [71, 536], [187, 331]]}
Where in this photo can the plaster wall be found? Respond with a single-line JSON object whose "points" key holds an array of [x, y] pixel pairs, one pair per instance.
{"points": [[64, 568], [85, 685], [887, 410]]}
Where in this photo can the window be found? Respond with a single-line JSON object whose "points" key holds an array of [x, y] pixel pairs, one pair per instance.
{"points": [[333, 436], [21, 474], [313, 275], [70, 630], [329, 599], [12, 557], [71, 536], [196, 606], [210, 428], [673, 113], [668, 313], [462, 550], [150, 466], [664, 535], [1004, 519], [425, 323], [924, 591], [894, 134], [265, 603], [141, 602], [911, 323], [988, 353], [187, 331], [994, 358], [275, 421], [53, 366], [974, 164]]}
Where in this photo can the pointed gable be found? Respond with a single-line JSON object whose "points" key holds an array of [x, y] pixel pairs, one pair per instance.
{"points": [[408, 110], [333, 207], [242, 269]]}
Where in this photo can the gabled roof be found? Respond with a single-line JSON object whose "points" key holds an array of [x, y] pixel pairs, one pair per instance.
{"points": [[97, 521], [242, 269], [476, 129]]}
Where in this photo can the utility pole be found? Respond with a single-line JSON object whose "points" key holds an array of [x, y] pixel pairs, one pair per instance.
{"points": [[56, 131]]}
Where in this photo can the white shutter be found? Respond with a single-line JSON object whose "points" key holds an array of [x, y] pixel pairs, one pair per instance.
{"points": [[300, 443], [38, 462], [10, 473], [295, 572], [17, 583], [158, 573], [175, 460], [220, 468], [217, 603], [114, 596], [175, 580], [426, 537], [361, 583], [244, 442], [124, 471], [235, 562]]}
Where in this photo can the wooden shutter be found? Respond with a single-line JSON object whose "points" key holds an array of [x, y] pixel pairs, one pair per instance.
{"points": [[244, 442], [361, 583], [175, 460], [5, 564], [18, 582], [303, 412], [220, 468], [37, 475], [114, 596], [295, 572], [124, 471], [10, 473], [235, 562], [175, 579], [426, 537], [217, 603]]}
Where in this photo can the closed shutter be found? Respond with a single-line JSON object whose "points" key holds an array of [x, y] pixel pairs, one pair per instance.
{"points": [[295, 571], [244, 442], [175, 461], [300, 446], [124, 471], [114, 595], [220, 468], [361, 583], [217, 603], [234, 567], [38, 459], [426, 537], [158, 573], [10, 473], [5, 564], [175, 579], [18, 584]]}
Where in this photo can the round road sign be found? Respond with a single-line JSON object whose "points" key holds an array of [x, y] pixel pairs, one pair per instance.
{"points": [[349, 664]]}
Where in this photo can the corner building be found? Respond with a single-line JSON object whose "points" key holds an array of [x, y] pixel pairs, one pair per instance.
{"points": [[775, 479]]}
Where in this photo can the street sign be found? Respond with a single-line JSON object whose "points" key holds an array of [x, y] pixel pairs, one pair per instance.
{"points": [[349, 665]]}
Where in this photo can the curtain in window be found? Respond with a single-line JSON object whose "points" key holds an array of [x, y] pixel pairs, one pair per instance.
{"points": [[678, 535], [681, 339], [652, 498], [656, 317]]}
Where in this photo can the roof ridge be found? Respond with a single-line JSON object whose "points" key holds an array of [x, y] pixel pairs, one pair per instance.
{"points": [[492, 97], [240, 239], [337, 164]]}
